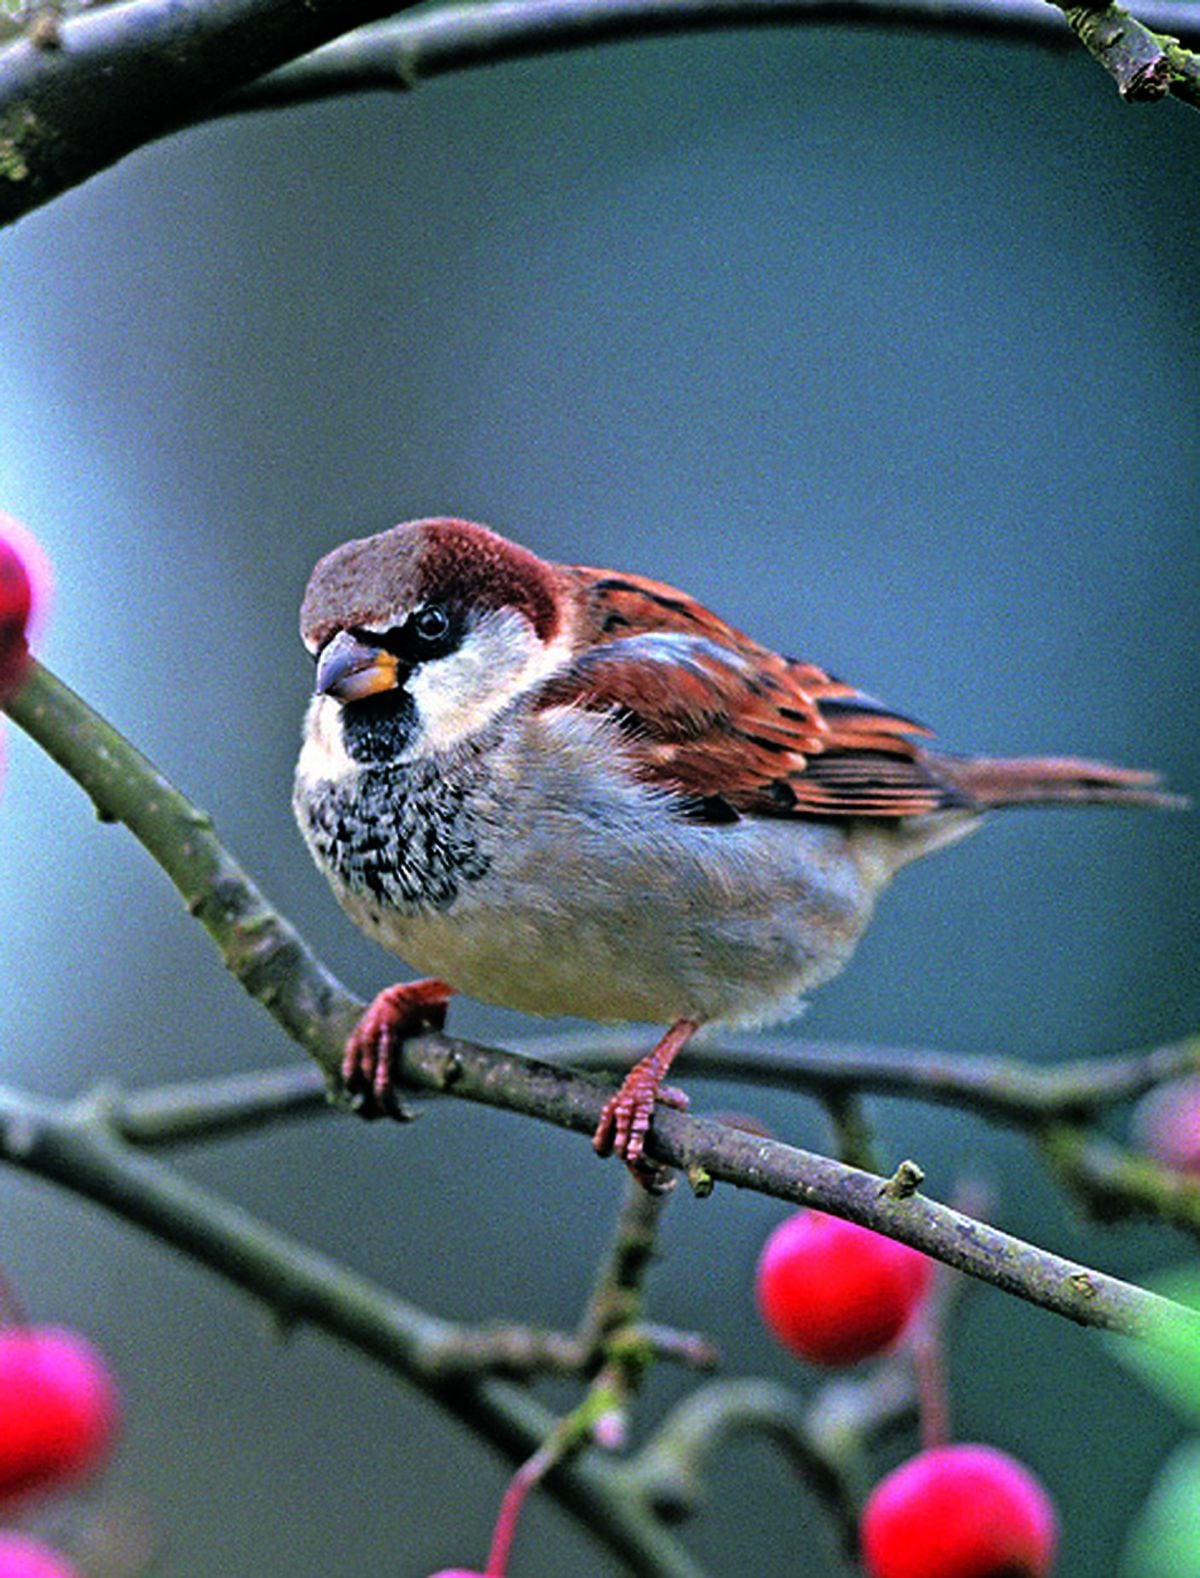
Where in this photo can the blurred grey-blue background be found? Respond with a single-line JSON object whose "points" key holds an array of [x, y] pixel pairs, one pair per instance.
{"points": [[884, 347]]}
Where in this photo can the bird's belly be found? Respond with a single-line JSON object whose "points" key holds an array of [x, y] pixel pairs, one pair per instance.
{"points": [[733, 924], [556, 883]]}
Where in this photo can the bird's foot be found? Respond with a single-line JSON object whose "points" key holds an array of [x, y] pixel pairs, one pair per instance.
{"points": [[371, 1058], [625, 1120]]}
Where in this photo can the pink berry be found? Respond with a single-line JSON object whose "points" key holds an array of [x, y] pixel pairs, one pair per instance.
{"points": [[459, 1572], [835, 1293], [24, 584], [1167, 1124], [959, 1512], [58, 1408], [21, 1557]]}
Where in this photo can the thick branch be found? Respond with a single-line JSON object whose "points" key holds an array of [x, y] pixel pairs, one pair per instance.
{"points": [[273, 963], [120, 76]]}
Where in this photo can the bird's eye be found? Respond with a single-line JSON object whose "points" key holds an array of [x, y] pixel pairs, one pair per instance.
{"points": [[430, 627]]}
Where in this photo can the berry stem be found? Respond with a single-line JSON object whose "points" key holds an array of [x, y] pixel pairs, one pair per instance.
{"points": [[12, 1310], [573, 1431], [522, 1482], [929, 1366]]}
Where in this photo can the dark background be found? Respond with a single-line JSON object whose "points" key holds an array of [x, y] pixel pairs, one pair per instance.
{"points": [[884, 347]]}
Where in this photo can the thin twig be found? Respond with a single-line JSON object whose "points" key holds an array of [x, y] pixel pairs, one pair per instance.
{"points": [[1113, 1183], [211, 1109], [673, 1465], [1003, 1089], [397, 56]]}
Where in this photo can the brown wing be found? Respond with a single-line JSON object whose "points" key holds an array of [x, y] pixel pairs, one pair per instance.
{"points": [[730, 725]]}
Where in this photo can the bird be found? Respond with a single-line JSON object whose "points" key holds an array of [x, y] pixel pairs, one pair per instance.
{"points": [[576, 791]]}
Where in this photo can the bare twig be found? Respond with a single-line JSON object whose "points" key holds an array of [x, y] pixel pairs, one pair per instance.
{"points": [[673, 1465], [1002, 1089], [1112, 1182], [396, 57], [79, 1147], [1128, 51], [211, 1109], [119, 76]]}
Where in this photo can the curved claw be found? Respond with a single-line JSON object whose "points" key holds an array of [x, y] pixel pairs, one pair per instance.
{"points": [[625, 1120], [369, 1063]]}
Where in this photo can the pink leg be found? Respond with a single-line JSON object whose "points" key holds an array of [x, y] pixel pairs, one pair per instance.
{"points": [[372, 1051], [626, 1116]]}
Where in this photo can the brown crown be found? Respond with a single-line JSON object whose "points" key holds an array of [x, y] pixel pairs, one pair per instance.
{"points": [[376, 581]]}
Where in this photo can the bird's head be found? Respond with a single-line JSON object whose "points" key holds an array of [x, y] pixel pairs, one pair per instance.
{"points": [[423, 634]]}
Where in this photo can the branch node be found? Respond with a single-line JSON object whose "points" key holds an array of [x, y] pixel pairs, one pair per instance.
{"points": [[904, 1182], [1128, 51], [450, 1069], [45, 30]]}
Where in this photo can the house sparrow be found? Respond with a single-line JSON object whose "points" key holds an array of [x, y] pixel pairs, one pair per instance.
{"points": [[573, 791]]}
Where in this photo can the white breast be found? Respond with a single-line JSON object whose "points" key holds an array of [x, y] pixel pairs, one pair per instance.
{"points": [[601, 901]]}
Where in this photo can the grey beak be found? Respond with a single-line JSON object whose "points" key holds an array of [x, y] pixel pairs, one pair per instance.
{"points": [[349, 669]]}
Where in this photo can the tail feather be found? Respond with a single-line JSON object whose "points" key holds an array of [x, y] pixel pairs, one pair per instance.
{"points": [[989, 781]]}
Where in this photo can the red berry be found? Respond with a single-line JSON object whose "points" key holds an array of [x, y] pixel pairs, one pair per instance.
{"points": [[58, 1408], [959, 1512], [1168, 1125], [24, 581], [835, 1293], [21, 1557]]}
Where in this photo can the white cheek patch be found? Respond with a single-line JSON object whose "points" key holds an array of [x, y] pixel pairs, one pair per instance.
{"points": [[500, 658], [323, 755]]}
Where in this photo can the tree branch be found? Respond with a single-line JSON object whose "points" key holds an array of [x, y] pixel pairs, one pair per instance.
{"points": [[1003, 1089], [396, 57], [211, 1109], [266, 955], [544, 1091], [274, 964], [104, 81], [79, 1147], [1022, 1095], [122, 75], [1130, 53]]}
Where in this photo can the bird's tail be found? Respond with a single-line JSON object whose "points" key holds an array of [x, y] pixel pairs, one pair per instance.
{"points": [[989, 781]]}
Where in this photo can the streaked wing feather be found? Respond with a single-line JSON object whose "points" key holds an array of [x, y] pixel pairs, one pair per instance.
{"points": [[727, 723]]}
